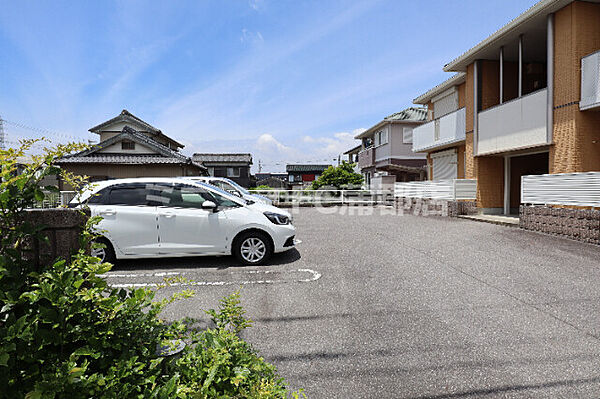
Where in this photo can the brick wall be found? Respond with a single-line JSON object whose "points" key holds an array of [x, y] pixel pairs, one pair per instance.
{"points": [[490, 83], [469, 159], [469, 98], [576, 135], [490, 182], [461, 161], [461, 95]]}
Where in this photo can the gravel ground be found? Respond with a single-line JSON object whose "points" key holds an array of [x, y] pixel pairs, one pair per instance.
{"points": [[389, 306]]}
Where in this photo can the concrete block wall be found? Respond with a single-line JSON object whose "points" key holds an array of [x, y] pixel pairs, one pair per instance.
{"points": [[62, 229], [435, 207], [577, 224]]}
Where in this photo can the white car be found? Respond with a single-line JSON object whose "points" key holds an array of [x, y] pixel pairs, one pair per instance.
{"points": [[168, 217], [231, 187]]}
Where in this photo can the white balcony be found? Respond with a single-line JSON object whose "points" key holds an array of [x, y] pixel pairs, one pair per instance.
{"points": [[590, 82], [519, 123], [447, 130]]}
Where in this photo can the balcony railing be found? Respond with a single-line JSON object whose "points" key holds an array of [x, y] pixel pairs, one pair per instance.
{"points": [[519, 123], [440, 132], [590, 82], [366, 158]]}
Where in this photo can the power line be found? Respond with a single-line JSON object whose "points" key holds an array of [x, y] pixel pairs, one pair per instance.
{"points": [[41, 130]]}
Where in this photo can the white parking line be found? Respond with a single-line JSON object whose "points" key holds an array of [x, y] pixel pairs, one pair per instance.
{"points": [[161, 274], [314, 275]]}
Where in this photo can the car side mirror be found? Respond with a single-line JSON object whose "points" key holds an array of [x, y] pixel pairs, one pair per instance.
{"points": [[209, 205]]}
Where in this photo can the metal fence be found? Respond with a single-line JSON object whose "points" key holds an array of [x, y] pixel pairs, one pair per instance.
{"points": [[577, 189], [450, 189], [55, 200], [328, 197]]}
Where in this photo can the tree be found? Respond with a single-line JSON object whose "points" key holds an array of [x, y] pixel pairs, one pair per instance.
{"points": [[340, 177]]}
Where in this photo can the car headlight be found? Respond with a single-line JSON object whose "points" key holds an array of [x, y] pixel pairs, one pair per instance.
{"points": [[277, 218]]}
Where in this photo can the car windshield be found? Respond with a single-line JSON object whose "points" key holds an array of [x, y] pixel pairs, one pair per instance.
{"points": [[238, 187], [223, 192]]}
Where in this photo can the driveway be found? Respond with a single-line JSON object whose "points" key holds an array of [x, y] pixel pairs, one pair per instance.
{"points": [[389, 306]]}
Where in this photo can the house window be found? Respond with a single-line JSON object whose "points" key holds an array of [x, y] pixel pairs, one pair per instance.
{"points": [[381, 137], [233, 172], [127, 145], [407, 135]]}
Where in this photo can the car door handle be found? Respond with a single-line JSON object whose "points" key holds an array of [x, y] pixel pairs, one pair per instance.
{"points": [[108, 212], [168, 215]]}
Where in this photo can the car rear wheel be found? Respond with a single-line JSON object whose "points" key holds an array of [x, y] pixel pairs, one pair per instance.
{"points": [[253, 248], [105, 253]]}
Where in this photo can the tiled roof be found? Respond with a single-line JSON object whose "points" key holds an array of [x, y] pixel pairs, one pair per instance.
{"points": [[124, 116], [246, 158], [121, 159], [163, 153], [416, 114], [128, 117], [306, 168]]}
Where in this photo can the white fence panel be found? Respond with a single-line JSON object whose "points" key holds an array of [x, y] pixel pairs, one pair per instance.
{"points": [[578, 189], [450, 189]]}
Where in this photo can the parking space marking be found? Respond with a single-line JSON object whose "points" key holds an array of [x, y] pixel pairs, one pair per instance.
{"points": [[313, 276], [133, 275]]}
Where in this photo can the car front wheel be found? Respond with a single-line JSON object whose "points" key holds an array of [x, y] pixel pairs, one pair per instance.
{"points": [[253, 248], [106, 253]]}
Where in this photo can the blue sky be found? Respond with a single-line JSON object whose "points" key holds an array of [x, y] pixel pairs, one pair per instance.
{"points": [[289, 81]]}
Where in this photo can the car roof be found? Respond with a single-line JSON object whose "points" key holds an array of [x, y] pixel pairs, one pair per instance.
{"points": [[94, 187]]}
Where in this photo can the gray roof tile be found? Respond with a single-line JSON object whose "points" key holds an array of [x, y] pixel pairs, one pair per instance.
{"points": [[247, 158]]}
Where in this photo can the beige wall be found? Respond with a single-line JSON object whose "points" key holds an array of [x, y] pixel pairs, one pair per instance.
{"points": [[109, 171], [116, 148], [576, 134]]}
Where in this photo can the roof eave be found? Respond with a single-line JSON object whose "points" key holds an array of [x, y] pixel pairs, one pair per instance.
{"points": [[544, 6], [455, 80]]}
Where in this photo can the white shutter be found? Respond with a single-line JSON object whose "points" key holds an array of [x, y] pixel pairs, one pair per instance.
{"points": [[407, 135], [445, 165], [445, 105]]}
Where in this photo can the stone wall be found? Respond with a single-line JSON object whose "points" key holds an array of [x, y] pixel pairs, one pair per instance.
{"points": [[577, 224], [435, 207], [62, 229]]}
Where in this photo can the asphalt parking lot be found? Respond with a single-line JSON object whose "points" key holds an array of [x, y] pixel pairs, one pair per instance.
{"points": [[389, 306]]}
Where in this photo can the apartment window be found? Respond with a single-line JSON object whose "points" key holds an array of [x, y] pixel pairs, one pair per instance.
{"points": [[233, 172], [127, 145]]}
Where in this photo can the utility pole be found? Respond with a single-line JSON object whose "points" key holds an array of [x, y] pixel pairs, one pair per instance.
{"points": [[259, 166], [2, 136]]}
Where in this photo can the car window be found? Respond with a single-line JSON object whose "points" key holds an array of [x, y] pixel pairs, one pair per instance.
{"points": [[190, 196], [130, 194], [223, 201], [100, 197]]}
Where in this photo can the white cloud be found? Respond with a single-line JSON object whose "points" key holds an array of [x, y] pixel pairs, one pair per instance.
{"points": [[251, 37], [331, 146], [267, 143]]}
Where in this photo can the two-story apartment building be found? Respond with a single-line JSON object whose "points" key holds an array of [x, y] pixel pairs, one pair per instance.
{"points": [[531, 95], [387, 147]]}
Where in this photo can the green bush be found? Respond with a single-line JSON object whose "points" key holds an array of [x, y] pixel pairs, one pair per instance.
{"points": [[64, 333], [338, 177], [262, 187]]}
